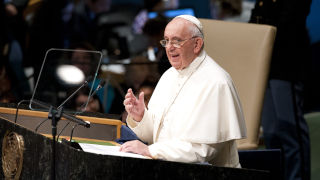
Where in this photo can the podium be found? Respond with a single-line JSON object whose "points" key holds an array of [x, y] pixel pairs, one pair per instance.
{"points": [[27, 155], [102, 128]]}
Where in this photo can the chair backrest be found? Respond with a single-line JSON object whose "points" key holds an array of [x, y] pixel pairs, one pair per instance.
{"points": [[244, 51]]}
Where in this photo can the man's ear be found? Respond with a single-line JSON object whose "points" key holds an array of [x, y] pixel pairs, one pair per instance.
{"points": [[198, 45]]}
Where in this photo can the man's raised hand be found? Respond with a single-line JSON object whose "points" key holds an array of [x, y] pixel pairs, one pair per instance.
{"points": [[134, 107]]}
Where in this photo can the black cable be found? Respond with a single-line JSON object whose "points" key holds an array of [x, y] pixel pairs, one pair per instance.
{"points": [[102, 83], [37, 127], [16, 116], [17, 109], [72, 131], [77, 113], [62, 130], [70, 121]]}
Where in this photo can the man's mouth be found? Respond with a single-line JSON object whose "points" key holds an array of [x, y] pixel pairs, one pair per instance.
{"points": [[175, 55]]}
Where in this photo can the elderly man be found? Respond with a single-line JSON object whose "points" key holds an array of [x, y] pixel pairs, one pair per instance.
{"points": [[194, 114]]}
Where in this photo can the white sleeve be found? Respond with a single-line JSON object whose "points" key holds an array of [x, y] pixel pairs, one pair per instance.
{"points": [[144, 128], [183, 151]]}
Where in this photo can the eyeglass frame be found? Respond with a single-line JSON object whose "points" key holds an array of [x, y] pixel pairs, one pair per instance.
{"points": [[178, 44]]}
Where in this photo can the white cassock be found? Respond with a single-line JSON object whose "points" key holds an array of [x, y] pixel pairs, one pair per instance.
{"points": [[194, 115]]}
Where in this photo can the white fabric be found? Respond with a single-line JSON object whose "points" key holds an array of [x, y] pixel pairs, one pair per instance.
{"points": [[194, 115], [192, 19]]}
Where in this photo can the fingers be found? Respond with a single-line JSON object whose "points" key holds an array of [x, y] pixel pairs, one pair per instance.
{"points": [[127, 101], [129, 98], [135, 146], [134, 107], [126, 147], [141, 97], [122, 148], [129, 94], [130, 146]]}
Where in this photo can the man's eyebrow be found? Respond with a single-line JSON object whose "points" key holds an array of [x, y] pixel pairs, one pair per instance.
{"points": [[173, 38], [176, 38]]}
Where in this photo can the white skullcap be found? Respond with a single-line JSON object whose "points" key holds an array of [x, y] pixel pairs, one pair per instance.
{"points": [[192, 19]]}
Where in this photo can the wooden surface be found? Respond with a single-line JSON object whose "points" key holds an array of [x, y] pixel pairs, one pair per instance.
{"points": [[101, 128]]}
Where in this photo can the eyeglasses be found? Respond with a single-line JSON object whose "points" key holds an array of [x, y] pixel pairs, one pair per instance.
{"points": [[175, 42]]}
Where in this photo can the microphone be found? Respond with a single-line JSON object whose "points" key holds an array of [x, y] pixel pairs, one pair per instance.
{"points": [[101, 84], [85, 83], [65, 115]]}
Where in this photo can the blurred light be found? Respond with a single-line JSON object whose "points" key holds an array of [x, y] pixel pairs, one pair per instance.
{"points": [[70, 75], [151, 54]]}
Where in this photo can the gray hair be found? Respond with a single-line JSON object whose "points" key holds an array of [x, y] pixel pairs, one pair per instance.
{"points": [[196, 32]]}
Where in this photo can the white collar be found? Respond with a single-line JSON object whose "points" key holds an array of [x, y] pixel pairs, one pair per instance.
{"points": [[193, 65]]}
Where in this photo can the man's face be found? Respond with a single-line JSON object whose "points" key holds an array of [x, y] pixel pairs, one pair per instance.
{"points": [[179, 30]]}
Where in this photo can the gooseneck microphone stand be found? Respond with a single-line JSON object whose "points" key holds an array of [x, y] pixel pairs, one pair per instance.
{"points": [[55, 116]]}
